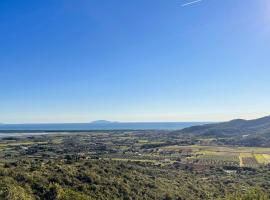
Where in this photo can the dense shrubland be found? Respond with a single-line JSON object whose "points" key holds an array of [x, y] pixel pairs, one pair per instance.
{"points": [[105, 179]]}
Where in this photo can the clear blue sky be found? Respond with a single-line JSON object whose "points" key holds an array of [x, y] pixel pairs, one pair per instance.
{"points": [[140, 60]]}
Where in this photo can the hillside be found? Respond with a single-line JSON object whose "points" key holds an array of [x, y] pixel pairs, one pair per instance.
{"points": [[235, 127]]}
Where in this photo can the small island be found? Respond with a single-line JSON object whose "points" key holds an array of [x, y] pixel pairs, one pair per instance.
{"points": [[102, 122]]}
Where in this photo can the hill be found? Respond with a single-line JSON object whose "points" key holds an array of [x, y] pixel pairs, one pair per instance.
{"points": [[259, 126]]}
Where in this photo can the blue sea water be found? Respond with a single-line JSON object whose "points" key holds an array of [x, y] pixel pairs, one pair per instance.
{"points": [[99, 126]]}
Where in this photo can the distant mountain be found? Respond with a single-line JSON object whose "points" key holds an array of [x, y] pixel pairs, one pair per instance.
{"points": [[234, 127], [102, 122]]}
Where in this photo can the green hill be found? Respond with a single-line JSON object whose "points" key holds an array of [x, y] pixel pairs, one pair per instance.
{"points": [[259, 126]]}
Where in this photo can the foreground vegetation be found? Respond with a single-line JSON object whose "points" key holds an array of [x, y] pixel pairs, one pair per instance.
{"points": [[130, 165]]}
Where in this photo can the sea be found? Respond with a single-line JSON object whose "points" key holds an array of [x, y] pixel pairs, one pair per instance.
{"points": [[99, 126]]}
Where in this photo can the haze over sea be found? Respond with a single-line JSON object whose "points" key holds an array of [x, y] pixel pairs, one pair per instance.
{"points": [[99, 126]]}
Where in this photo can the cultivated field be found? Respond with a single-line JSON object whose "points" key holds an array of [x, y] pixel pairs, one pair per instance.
{"points": [[223, 156]]}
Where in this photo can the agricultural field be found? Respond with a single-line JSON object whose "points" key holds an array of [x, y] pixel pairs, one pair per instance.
{"points": [[262, 158], [224, 156]]}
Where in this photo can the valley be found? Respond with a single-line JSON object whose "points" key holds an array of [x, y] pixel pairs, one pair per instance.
{"points": [[122, 164]]}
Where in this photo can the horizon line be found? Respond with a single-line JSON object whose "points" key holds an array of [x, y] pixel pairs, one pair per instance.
{"points": [[109, 122]]}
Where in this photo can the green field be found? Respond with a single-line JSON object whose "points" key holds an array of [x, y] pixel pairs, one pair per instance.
{"points": [[224, 155]]}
